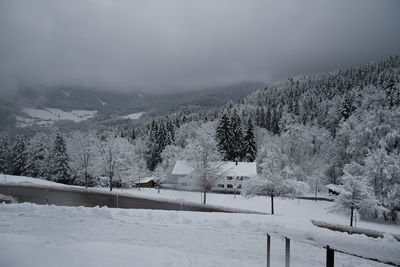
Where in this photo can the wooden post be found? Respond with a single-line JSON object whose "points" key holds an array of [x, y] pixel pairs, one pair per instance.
{"points": [[268, 250], [330, 257], [287, 252]]}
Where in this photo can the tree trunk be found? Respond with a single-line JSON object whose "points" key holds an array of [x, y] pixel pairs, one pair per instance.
{"points": [[272, 205], [204, 195], [351, 217], [86, 179], [111, 179]]}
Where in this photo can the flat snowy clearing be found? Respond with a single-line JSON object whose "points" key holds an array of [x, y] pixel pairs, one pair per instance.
{"points": [[133, 116], [50, 115], [34, 235]]}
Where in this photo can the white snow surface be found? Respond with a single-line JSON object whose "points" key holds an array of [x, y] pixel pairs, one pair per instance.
{"points": [[34, 235], [50, 115], [23, 180], [133, 116]]}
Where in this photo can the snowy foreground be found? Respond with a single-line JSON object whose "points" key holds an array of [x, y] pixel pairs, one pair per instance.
{"points": [[34, 235]]}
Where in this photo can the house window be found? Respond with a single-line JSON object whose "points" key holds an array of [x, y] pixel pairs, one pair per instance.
{"points": [[229, 186], [221, 186], [239, 186], [240, 178], [184, 184], [229, 177]]}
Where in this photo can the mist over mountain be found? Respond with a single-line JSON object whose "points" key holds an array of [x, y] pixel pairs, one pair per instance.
{"points": [[114, 104]]}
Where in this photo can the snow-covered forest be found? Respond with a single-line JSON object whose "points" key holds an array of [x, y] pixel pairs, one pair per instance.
{"points": [[338, 128]]}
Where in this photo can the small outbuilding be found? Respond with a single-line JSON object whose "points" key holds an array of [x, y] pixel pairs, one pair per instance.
{"points": [[334, 189], [146, 182]]}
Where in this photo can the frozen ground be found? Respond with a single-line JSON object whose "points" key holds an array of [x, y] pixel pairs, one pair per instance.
{"points": [[34, 235]]}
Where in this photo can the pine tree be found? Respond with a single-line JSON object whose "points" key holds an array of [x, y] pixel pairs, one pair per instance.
{"points": [[18, 159], [250, 143], [348, 106], [274, 126], [4, 154], [224, 137], [37, 152], [238, 151], [59, 168], [267, 120]]}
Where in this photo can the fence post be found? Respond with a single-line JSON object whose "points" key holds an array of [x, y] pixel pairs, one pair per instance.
{"points": [[268, 250], [287, 252], [330, 257]]}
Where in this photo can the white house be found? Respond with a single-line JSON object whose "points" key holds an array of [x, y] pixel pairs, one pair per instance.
{"points": [[232, 177]]}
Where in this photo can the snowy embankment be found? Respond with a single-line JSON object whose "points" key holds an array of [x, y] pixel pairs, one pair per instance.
{"points": [[34, 235]]}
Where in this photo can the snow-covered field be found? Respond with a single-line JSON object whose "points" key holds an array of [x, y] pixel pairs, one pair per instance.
{"points": [[51, 115], [133, 116], [34, 235]]}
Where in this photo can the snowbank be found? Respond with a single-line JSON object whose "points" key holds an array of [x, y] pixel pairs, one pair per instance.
{"points": [[23, 180]]}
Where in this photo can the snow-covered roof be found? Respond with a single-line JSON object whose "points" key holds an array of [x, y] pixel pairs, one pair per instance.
{"points": [[335, 187], [146, 179], [229, 168]]}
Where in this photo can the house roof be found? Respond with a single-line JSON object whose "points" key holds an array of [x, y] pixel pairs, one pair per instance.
{"points": [[229, 168], [146, 180]]}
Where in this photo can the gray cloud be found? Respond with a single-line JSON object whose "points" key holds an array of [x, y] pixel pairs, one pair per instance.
{"points": [[178, 45]]}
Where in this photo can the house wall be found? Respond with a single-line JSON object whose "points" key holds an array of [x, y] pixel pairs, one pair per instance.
{"points": [[223, 184]]}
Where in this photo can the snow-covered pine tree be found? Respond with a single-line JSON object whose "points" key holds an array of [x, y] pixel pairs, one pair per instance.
{"points": [[59, 168], [18, 158], [236, 130], [267, 120], [274, 125], [4, 153], [37, 152], [250, 143], [224, 137]]}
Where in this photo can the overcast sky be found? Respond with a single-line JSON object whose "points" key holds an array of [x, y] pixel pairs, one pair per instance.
{"points": [[166, 44]]}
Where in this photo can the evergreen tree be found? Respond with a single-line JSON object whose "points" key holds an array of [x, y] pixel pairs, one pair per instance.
{"points": [[159, 138], [59, 168], [267, 120], [238, 151], [274, 126], [224, 137], [37, 152], [4, 154], [18, 159], [250, 143], [348, 106]]}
